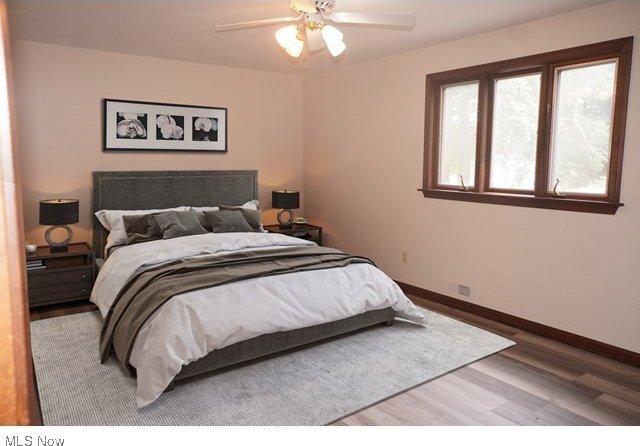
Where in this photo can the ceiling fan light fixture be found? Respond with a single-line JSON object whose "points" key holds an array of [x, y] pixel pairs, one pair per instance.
{"points": [[337, 48], [333, 38], [295, 48], [311, 25], [287, 36], [289, 39], [331, 34]]}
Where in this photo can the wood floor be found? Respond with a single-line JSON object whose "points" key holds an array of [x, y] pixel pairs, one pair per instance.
{"points": [[536, 382]]}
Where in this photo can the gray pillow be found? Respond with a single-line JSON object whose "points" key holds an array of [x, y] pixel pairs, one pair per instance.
{"points": [[141, 228], [227, 221], [204, 221], [251, 216], [178, 224]]}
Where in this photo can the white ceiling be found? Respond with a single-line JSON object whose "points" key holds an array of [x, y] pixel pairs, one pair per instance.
{"points": [[184, 30]]}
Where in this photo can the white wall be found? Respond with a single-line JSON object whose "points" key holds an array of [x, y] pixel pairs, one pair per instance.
{"points": [[363, 154], [59, 92]]}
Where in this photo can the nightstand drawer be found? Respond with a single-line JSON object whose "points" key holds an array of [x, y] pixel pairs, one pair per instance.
{"points": [[57, 294], [51, 278]]}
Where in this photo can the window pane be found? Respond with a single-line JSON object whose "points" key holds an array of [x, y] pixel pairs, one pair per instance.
{"points": [[515, 132], [582, 128], [458, 134]]}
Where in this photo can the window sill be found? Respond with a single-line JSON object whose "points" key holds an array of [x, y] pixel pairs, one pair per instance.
{"points": [[562, 204]]}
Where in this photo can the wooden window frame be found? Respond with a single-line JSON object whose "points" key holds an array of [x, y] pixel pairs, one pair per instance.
{"points": [[545, 64]]}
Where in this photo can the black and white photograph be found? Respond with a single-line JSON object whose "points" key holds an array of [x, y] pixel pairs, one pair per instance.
{"points": [[131, 125], [170, 127], [205, 129], [156, 126]]}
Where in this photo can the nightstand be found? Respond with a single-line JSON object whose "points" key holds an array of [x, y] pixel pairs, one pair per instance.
{"points": [[56, 277], [306, 231]]}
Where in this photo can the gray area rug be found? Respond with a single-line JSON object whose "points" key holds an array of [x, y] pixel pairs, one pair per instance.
{"points": [[311, 386]]}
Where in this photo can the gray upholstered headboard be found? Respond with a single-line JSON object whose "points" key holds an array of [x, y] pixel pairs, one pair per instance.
{"points": [[165, 189]]}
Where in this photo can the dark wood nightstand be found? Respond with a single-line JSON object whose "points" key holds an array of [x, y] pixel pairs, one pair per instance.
{"points": [[56, 277], [306, 231]]}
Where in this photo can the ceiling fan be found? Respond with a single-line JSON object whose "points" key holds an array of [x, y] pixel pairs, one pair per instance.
{"points": [[310, 25]]}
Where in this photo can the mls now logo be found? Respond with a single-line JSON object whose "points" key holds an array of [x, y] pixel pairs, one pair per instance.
{"points": [[31, 441]]}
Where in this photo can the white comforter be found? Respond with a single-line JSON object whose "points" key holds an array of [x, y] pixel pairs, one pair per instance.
{"points": [[191, 325]]}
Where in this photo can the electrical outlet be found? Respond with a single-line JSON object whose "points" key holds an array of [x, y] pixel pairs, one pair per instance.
{"points": [[404, 257], [464, 290]]}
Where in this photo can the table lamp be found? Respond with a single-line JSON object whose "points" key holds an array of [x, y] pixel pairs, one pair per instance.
{"points": [[58, 213], [285, 200]]}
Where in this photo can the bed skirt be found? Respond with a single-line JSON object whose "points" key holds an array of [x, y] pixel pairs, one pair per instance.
{"points": [[276, 342]]}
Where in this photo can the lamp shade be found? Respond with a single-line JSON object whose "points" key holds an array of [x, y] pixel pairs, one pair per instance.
{"points": [[60, 211], [333, 38], [295, 48], [337, 48], [286, 36], [285, 199], [288, 39], [331, 35]]}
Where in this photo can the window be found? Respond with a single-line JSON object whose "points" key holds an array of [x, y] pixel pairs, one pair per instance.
{"points": [[542, 131], [459, 125], [581, 131], [514, 132]]}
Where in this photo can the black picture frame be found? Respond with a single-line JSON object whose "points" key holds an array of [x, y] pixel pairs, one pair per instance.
{"points": [[163, 127]]}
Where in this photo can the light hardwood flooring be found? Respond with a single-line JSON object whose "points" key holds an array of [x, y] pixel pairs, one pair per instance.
{"points": [[536, 382]]}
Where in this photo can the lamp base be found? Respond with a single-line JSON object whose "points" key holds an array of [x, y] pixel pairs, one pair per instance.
{"points": [[281, 221], [58, 246]]}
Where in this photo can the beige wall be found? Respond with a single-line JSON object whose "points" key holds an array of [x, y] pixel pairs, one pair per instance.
{"points": [[58, 93], [363, 143], [363, 152]]}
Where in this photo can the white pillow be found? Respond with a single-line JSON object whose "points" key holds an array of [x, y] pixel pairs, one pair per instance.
{"points": [[253, 204], [113, 222], [204, 208]]}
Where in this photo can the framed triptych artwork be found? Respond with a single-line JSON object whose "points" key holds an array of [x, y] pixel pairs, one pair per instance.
{"points": [[134, 125]]}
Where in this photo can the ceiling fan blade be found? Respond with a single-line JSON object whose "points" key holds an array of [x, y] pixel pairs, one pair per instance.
{"points": [[375, 18], [254, 23]]}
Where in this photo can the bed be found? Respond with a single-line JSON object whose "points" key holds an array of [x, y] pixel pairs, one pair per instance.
{"points": [[380, 303]]}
